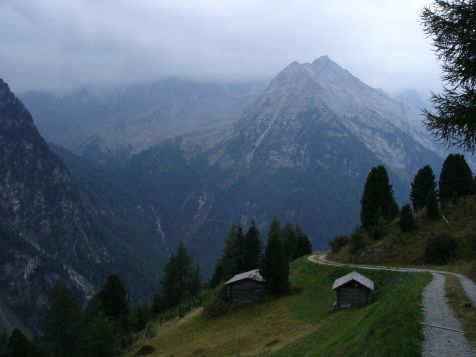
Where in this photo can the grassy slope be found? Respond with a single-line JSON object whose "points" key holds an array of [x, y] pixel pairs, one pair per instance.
{"points": [[300, 324], [398, 248]]}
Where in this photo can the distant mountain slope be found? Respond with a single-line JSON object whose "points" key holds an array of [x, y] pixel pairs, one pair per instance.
{"points": [[301, 152], [303, 149], [51, 230], [412, 98], [112, 124]]}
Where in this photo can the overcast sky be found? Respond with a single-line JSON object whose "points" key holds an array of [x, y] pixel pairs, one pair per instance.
{"points": [[58, 45]]}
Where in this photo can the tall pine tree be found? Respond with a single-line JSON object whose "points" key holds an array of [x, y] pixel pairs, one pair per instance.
{"points": [[180, 281], [19, 346], [451, 24], [377, 199], [303, 244], [456, 178], [232, 260], [63, 315], [3, 342], [275, 263], [289, 241], [113, 298], [252, 247], [99, 338], [113, 302], [423, 183]]}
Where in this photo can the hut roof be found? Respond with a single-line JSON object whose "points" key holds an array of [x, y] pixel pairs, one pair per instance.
{"points": [[356, 277], [252, 274]]}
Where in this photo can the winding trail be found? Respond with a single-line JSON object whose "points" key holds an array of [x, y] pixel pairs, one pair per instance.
{"points": [[442, 330]]}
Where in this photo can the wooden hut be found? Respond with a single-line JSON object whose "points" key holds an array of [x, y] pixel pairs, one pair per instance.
{"points": [[353, 290], [245, 287]]}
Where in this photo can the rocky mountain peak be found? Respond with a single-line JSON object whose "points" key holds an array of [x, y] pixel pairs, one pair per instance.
{"points": [[309, 95], [322, 72]]}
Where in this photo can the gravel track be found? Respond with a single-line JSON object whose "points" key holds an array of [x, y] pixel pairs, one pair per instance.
{"points": [[438, 341], [442, 330]]}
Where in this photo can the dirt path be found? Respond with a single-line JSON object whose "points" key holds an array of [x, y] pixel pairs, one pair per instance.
{"points": [[443, 332]]}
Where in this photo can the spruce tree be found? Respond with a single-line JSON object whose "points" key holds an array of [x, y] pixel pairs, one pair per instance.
{"points": [[289, 241], [138, 317], [19, 346], [432, 207], [275, 263], [407, 221], [114, 304], [3, 343], [303, 244], [232, 259], [240, 251], [63, 314], [456, 178], [423, 182], [451, 24], [252, 247], [180, 281], [113, 298], [377, 198], [99, 337]]}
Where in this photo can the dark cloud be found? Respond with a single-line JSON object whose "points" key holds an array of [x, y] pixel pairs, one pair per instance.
{"points": [[62, 44]]}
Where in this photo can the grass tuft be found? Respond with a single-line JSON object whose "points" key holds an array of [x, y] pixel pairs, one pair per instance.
{"points": [[462, 307]]}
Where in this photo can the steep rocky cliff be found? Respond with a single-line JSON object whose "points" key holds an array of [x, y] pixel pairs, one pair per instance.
{"points": [[37, 197], [50, 232]]}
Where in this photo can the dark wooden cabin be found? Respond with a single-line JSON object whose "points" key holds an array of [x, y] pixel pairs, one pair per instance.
{"points": [[245, 287], [352, 290]]}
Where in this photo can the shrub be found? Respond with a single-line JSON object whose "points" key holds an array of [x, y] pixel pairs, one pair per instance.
{"points": [[358, 240], [216, 306], [407, 222], [440, 248], [380, 229], [145, 351], [338, 243]]}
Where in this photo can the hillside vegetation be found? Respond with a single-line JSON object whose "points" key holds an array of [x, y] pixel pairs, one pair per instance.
{"points": [[300, 323], [396, 247]]}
